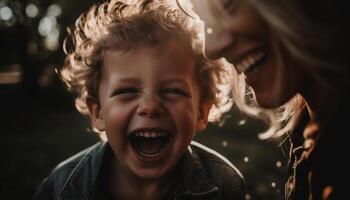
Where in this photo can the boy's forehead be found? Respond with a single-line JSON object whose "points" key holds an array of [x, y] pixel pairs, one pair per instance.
{"points": [[128, 40], [170, 54], [166, 43], [141, 67]]}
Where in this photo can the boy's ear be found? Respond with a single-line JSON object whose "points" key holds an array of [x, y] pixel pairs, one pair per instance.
{"points": [[96, 116], [202, 119]]}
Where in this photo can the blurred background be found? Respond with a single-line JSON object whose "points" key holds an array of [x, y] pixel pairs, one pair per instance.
{"points": [[39, 126]]}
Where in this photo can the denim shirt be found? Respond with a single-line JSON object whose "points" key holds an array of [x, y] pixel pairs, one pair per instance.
{"points": [[203, 174]]}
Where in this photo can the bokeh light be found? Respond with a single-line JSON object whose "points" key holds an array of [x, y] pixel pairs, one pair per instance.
{"points": [[47, 25], [6, 13], [32, 10], [52, 40], [54, 10]]}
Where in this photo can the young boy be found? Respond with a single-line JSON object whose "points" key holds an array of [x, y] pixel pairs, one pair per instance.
{"points": [[141, 77]]}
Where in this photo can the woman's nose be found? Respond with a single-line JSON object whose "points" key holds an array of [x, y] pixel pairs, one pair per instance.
{"points": [[217, 41], [150, 106], [218, 33]]}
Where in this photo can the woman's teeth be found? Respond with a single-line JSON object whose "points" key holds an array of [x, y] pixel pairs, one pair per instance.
{"points": [[250, 62]]}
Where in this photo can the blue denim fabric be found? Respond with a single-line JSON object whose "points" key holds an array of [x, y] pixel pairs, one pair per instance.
{"points": [[203, 174]]}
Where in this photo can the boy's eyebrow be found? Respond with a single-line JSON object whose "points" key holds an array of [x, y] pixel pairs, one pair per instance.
{"points": [[174, 80], [167, 81], [130, 80]]}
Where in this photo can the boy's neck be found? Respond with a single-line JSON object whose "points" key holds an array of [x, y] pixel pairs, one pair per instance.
{"points": [[126, 185]]}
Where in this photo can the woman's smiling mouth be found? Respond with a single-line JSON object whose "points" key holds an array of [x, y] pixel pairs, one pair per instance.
{"points": [[251, 63]]}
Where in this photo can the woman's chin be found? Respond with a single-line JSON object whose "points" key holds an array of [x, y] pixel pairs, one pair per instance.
{"points": [[268, 100]]}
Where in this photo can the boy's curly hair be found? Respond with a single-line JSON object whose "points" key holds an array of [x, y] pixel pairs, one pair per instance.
{"points": [[123, 24]]}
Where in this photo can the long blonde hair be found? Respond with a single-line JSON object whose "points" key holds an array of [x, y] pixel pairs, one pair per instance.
{"points": [[313, 34]]}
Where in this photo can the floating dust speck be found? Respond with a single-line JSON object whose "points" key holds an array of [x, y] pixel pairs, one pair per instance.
{"points": [[246, 159], [209, 30], [278, 164], [242, 122], [273, 184], [224, 143]]}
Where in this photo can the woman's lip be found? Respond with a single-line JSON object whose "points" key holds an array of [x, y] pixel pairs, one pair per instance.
{"points": [[251, 78], [231, 60], [238, 58]]}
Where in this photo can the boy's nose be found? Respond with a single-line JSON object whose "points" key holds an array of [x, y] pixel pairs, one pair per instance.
{"points": [[150, 106]]}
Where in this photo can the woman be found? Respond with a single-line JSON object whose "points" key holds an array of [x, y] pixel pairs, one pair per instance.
{"points": [[293, 55]]}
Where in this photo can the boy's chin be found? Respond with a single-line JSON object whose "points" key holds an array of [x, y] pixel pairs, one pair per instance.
{"points": [[151, 174]]}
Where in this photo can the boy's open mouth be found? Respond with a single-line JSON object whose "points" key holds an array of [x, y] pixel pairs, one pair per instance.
{"points": [[149, 143]]}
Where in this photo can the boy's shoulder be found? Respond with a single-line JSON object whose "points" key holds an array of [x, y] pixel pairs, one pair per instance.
{"points": [[206, 167], [70, 172], [213, 160]]}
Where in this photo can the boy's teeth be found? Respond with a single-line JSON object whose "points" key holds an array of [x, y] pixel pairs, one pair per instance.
{"points": [[150, 134], [149, 143], [249, 61]]}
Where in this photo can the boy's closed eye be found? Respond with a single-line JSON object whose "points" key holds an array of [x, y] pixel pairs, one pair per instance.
{"points": [[126, 92], [169, 92]]}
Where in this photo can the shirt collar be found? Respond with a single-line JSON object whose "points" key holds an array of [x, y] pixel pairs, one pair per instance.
{"points": [[194, 180]]}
